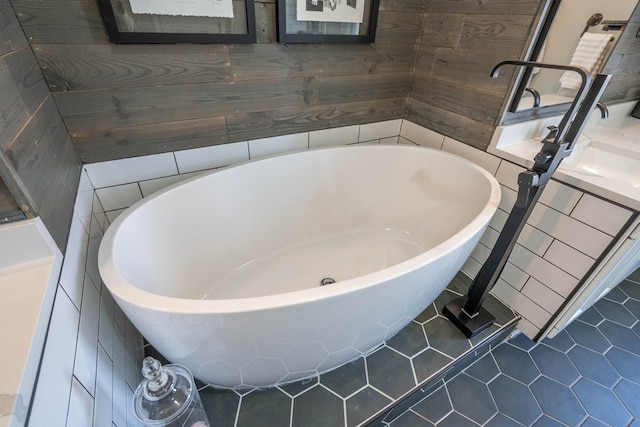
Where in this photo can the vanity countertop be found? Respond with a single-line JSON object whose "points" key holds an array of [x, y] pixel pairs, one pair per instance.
{"points": [[605, 160], [29, 269]]}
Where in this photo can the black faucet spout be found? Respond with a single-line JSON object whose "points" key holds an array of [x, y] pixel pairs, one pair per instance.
{"points": [[585, 78]]}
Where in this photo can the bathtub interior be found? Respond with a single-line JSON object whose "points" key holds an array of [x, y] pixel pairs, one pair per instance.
{"points": [[283, 224]]}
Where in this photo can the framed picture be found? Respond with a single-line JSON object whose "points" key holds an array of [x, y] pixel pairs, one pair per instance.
{"points": [[179, 21], [327, 21]]}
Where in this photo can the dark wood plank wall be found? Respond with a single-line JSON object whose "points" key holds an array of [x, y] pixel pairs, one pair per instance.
{"points": [[37, 159], [461, 42], [429, 64], [120, 101]]}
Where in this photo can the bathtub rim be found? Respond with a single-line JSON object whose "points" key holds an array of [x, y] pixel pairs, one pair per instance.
{"points": [[125, 292]]}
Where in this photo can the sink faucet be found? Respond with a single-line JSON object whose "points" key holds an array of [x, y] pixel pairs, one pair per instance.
{"points": [[604, 111]]}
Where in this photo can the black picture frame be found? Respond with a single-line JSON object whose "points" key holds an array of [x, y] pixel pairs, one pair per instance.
{"points": [[240, 29], [290, 30]]}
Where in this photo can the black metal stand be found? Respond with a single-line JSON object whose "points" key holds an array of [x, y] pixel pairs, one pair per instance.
{"points": [[466, 312]]}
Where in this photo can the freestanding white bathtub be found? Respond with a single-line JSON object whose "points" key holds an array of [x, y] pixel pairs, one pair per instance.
{"points": [[222, 273]]}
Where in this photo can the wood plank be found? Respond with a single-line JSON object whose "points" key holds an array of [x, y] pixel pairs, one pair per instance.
{"points": [[470, 68], [8, 204], [245, 126], [464, 129], [16, 187], [99, 66], [22, 91], [398, 28], [252, 62], [11, 35], [266, 28], [343, 89], [425, 60], [104, 109], [414, 6], [61, 21], [97, 145], [474, 102], [507, 34], [46, 163], [35, 154], [442, 30], [498, 7]]}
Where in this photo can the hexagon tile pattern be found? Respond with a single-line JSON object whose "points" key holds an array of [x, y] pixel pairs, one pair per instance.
{"points": [[587, 375], [360, 391]]}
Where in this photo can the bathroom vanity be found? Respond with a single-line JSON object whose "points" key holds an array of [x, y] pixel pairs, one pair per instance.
{"points": [[605, 165]]}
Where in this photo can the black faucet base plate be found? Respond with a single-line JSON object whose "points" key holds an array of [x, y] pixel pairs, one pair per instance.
{"points": [[470, 326]]}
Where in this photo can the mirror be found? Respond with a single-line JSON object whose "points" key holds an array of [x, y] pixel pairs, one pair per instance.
{"points": [[595, 34]]}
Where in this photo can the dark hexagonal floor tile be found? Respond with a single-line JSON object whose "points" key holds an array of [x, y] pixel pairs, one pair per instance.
{"points": [[633, 306], [270, 407], [317, 407], [546, 421], [347, 379], [484, 369], [594, 366], [443, 336], [620, 336], [616, 295], [592, 422], [427, 314], [410, 341], [601, 403], [588, 336], [364, 404], [562, 341], [390, 372], [615, 312], [220, 405], [456, 420], [625, 363], [410, 419], [629, 394], [591, 316], [515, 363], [554, 364], [558, 401], [515, 400], [471, 398], [435, 406], [501, 312], [428, 363], [522, 342], [502, 421], [631, 287]]}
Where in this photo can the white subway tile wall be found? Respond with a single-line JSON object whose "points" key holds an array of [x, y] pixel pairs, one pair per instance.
{"points": [[379, 130], [419, 135], [93, 353], [336, 136], [92, 356], [278, 144]]}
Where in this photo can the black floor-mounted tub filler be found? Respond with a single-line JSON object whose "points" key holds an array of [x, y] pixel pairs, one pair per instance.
{"points": [[466, 312]]}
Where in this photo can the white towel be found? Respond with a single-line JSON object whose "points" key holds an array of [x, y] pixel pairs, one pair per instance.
{"points": [[589, 54]]}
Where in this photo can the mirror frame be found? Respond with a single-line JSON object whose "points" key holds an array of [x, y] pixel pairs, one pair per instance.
{"points": [[512, 115]]}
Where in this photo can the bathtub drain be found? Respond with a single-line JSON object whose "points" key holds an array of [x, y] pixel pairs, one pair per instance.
{"points": [[327, 281]]}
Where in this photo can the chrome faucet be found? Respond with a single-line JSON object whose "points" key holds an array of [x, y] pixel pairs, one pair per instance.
{"points": [[604, 111]]}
